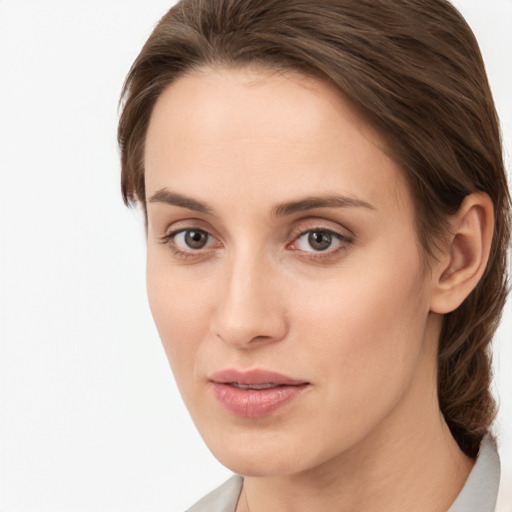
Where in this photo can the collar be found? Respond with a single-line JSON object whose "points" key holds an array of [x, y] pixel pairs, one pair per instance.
{"points": [[480, 491]]}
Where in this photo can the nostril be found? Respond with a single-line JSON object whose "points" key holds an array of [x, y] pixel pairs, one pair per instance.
{"points": [[246, 314]]}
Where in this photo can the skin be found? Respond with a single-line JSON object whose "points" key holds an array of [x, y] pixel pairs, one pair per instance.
{"points": [[359, 321]]}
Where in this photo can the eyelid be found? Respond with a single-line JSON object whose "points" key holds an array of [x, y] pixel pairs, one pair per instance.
{"points": [[174, 235], [321, 224], [344, 235], [337, 234], [183, 253], [185, 223], [175, 232], [178, 225]]}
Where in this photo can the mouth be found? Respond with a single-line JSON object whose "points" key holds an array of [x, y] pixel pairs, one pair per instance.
{"points": [[256, 393], [239, 385]]}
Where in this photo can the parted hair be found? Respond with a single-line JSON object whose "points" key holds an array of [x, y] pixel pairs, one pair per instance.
{"points": [[414, 68]]}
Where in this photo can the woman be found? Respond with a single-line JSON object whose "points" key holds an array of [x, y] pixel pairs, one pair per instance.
{"points": [[327, 223]]}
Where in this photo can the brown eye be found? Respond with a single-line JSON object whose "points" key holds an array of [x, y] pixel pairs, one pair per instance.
{"points": [[195, 239], [191, 243], [320, 240]]}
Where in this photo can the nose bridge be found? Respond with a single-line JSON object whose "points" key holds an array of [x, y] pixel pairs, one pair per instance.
{"points": [[248, 310]]}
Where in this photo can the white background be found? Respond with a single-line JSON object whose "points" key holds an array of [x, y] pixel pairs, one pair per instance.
{"points": [[90, 418]]}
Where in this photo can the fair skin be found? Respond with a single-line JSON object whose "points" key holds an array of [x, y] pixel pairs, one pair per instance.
{"points": [[281, 237]]}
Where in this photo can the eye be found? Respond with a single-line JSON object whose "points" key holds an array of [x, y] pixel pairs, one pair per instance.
{"points": [[191, 239], [319, 240]]}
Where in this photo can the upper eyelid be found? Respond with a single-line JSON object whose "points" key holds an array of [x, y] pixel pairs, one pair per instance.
{"points": [[328, 223], [315, 221], [341, 231], [184, 224], [173, 233], [328, 230], [342, 239]]}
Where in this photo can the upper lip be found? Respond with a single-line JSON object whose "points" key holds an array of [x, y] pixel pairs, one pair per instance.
{"points": [[256, 376]]}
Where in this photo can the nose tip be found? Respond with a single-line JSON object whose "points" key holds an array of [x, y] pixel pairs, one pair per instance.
{"points": [[250, 328], [249, 312], [241, 337]]}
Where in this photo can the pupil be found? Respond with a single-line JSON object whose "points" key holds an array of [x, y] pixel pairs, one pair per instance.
{"points": [[196, 239], [320, 240]]}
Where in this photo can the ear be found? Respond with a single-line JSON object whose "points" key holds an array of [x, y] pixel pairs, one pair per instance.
{"points": [[464, 257]]}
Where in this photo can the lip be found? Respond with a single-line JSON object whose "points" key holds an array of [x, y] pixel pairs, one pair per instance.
{"points": [[254, 403]]}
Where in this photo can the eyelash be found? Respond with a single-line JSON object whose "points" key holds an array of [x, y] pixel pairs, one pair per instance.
{"points": [[344, 243], [180, 253]]}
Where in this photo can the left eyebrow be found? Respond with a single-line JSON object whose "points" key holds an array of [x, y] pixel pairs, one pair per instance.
{"points": [[310, 203]]}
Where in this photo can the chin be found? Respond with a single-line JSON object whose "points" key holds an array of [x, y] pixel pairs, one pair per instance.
{"points": [[261, 454], [260, 465]]}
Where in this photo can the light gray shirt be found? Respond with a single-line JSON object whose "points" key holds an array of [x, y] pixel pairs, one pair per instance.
{"points": [[478, 494]]}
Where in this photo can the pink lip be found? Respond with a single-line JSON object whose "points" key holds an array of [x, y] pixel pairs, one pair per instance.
{"points": [[254, 403]]}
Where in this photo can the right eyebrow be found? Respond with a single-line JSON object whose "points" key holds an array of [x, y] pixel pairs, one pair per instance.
{"points": [[173, 198]]}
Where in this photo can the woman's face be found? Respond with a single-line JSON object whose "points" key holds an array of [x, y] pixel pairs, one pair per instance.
{"points": [[283, 271]]}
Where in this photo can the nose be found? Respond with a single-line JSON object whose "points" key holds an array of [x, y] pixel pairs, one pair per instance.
{"points": [[250, 310]]}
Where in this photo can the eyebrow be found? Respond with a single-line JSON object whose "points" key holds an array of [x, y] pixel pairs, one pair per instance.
{"points": [[172, 198], [310, 203], [281, 210]]}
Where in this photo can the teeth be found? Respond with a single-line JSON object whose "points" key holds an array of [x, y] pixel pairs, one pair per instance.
{"points": [[252, 386]]}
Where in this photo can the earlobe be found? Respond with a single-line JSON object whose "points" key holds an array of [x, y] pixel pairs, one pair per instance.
{"points": [[465, 255]]}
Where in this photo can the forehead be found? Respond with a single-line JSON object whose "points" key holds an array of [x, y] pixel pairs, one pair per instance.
{"points": [[266, 134]]}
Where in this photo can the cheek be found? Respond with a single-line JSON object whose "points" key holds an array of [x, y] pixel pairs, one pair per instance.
{"points": [[180, 309], [366, 334]]}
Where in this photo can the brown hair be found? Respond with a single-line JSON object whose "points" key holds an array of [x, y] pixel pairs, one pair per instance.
{"points": [[414, 67]]}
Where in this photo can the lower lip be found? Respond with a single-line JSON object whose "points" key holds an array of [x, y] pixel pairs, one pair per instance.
{"points": [[252, 403]]}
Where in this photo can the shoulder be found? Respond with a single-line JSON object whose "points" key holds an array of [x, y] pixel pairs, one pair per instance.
{"points": [[222, 499]]}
